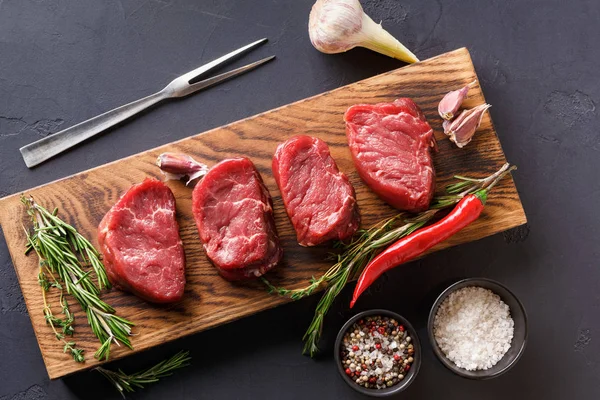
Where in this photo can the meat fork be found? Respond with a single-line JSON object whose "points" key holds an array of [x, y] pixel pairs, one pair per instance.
{"points": [[50, 146]]}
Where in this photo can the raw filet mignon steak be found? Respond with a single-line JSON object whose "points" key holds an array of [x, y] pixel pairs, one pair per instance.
{"points": [[234, 215], [318, 198], [391, 146], [139, 238]]}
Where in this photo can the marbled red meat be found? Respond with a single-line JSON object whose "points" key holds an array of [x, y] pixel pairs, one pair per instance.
{"points": [[234, 215], [391, 146], [318, 198], [139, 238]]}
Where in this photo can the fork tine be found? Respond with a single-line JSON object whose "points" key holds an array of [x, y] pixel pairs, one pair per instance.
{"points": [[224, 76], [215, 63]]}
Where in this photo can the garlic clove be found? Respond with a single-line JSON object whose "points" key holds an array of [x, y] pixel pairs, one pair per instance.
{"points": [[176, 166], [463, 128], [336, 26], [452, 101], [446, 126]]}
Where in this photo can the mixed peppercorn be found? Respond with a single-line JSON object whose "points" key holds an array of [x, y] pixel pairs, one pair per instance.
{"points": [[377, 352]]}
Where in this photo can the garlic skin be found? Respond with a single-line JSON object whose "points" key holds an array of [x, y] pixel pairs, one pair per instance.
{"points": [[336, 26]]}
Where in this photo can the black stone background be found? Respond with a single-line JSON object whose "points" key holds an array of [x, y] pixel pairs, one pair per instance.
{"points": [[62, 62]]}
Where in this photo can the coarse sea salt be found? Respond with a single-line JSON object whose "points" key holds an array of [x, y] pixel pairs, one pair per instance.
{"points": [[473, 328]]}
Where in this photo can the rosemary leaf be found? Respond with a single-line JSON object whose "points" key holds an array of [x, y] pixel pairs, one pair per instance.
{"points": [[129, 382]]}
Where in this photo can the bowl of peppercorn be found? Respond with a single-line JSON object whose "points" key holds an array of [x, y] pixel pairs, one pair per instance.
{"points": [[378, 353]]}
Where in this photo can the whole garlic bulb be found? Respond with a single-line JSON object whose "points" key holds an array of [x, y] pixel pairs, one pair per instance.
{"points": [[336, 26]]}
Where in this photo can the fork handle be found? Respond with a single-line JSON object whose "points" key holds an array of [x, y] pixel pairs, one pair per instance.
{"points": [[48, 147]]}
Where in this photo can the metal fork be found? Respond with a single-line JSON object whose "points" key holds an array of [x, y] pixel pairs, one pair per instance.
{"points": [[48, 147]]}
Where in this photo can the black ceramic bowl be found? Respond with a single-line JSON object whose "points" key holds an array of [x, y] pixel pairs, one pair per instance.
{"points": [[408, 378], [517, 312]]}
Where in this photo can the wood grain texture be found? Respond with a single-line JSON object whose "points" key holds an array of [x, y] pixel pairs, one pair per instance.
{"points": [[83, 199]]}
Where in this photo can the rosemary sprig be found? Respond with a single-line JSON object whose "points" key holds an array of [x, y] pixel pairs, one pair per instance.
{"points": [[64, 252], [65, 324], [128, 383], [367, 244]]}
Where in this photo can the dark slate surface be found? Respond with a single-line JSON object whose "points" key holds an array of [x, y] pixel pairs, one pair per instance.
{"points": [[65, 61]]}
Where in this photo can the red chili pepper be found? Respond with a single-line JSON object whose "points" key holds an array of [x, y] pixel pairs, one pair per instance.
{"points": [[412, 246]]}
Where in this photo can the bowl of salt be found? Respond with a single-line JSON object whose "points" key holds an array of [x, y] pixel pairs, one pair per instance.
{"points": [[478, 328]]}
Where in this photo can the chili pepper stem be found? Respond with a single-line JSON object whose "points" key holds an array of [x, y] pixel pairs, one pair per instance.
{"points": [[482, 195]]}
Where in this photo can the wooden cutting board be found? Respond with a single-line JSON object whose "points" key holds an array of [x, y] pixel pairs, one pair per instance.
{"points": [[83, 199]]}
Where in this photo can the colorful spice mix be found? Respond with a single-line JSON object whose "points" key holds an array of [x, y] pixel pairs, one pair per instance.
{"points": [[377, 352]]}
